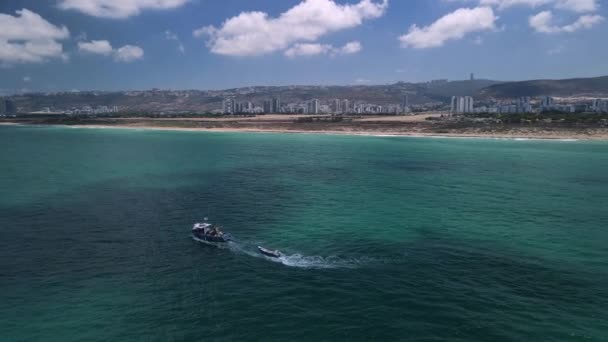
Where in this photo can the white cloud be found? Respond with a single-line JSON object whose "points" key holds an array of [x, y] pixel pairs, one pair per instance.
{"points": [[362, 81], [255, 33], [169, 35], [29, 38], [311, 49], [117, 9], [570, 5], [308, 49], [350, 48], [128, 53], [26, 78], [101, 47], [502, 4], [578, 5], [543, 23], [452, 26]]}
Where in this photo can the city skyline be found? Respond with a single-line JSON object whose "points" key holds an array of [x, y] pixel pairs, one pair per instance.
{"points": [[190, 44]]}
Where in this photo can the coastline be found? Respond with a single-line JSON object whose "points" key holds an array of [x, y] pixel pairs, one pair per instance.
{"points": [[559, 136]]}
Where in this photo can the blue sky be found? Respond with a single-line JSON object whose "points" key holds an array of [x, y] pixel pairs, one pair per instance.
{"points": [[206, 44]]}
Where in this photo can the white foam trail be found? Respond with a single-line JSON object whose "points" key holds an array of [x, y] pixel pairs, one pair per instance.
{"points": [[304, 261], [298, 260]]}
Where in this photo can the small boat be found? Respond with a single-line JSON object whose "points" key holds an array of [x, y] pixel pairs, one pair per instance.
{"points": [[269, 253], [206, 232]]}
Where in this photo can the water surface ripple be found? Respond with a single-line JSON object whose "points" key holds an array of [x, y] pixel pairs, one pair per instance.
{"points": [[384, 238]]}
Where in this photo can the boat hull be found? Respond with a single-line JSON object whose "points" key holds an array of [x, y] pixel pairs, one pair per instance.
{"points": [[209, 238], [269, 253]]}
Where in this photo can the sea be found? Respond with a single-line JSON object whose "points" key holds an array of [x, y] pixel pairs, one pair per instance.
{"points": [[383, 238]]}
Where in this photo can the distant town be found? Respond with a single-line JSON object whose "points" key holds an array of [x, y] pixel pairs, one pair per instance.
{"points": [[526, 104], [457, 105], [314, 106], [471, 96]]}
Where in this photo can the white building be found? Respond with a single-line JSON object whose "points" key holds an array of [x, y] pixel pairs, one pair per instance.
{"points": [[468, 104], [547, 103], [313, 106], [523, 105], [600, 105], [229, 106], [454, 105], [345, 106], [335, 106], [276, 105], [462, 104]]}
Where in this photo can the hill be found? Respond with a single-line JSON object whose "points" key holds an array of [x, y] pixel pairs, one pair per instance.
{"points": [[593, 87], [198, 101]]}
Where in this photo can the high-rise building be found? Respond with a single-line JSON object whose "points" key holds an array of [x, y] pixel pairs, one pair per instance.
{"points": [[600, 106], [2, 106], [9, 107], [547, 103], [461, 104], [346, 106], [472, 77], [248, 107], [335, 106], [596, 104], [523, 105], [313, 106], [468, 104], [229, 105], [405, 104], [276, 105], [267, 106], [454, 105]]}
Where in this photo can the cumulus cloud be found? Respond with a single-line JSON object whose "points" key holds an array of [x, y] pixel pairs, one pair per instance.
{"points": [[307, 49], [29, 38], [128, 53], [570, 5], [311, 49], [452, 26], [543, 23], [117, 9], [350, 48], [101, 47], [255, 33], [578, 5]]}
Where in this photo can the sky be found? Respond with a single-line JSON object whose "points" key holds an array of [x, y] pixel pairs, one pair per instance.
{"points": [[58, 45]]}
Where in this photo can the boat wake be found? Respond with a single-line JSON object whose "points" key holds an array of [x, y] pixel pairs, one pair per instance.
{"points": [[307, 261]]}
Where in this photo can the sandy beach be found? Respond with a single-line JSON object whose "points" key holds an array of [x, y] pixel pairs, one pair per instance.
{"points": [[412, 126]]}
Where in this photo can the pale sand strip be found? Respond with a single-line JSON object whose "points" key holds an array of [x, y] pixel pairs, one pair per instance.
{"points": [[557, 136], [544, 135]]}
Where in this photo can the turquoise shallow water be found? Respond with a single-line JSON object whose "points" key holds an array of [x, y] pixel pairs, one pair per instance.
{"points": [[414, 239]]}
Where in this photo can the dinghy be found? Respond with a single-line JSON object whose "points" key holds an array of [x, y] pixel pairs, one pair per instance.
{"points": [[269, 253]]}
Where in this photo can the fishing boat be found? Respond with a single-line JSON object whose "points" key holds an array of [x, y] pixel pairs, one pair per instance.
{"points": [[269, 253], [207, 232]]}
